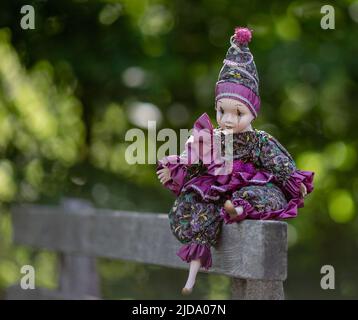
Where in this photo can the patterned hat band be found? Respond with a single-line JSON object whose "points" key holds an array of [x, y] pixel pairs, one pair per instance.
{"points": [[228, 89]]}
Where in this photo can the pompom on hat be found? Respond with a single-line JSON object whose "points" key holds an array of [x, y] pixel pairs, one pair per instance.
{"points": [[238, 78]]}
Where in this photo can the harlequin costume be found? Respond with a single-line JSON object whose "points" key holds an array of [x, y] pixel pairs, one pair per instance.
{"points": [[264, 179]]}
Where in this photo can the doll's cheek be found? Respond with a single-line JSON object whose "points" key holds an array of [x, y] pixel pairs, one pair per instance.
{"points": [[246, 119]]}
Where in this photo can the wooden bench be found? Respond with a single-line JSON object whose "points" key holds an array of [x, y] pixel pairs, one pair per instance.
{"points": [[252, 253]]}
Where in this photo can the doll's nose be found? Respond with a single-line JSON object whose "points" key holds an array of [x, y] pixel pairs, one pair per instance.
{"points": [[228, 118]]}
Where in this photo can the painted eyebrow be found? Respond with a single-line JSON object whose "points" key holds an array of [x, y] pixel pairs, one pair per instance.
{"points": [[240, 110]]}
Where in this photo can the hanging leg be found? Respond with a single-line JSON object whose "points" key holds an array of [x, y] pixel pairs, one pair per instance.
{"points": [[193, 271], [197, 225]]}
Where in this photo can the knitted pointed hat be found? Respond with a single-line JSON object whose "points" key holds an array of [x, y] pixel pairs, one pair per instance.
{"points": [[238, 77]]}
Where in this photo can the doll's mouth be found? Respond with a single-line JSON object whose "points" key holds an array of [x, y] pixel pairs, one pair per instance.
{"points": [[228, 130]]}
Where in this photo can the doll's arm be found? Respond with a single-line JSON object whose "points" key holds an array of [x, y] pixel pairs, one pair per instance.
{"points": [[177, 172], [277, 160], [188, 163], [178, 169]]}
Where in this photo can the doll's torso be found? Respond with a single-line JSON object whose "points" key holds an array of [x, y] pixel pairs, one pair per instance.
{"points": [[256, 147], [245, 145]]}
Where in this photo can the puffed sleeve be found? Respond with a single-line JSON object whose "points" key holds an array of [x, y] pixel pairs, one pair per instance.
{"points": [[178, 167], [185, 165], [278, 161]]}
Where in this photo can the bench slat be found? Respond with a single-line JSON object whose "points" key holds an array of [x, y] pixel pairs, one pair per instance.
{"points": [[249, 250]]}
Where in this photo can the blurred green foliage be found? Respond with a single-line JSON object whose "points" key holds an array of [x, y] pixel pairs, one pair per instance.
{"points": [[91, 70]]}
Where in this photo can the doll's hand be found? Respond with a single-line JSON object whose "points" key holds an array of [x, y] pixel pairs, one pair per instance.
{"points": [[303, 190], [164, 175]]}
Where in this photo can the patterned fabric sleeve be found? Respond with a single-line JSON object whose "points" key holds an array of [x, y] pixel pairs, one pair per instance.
{"points": [[178, 171], [277, 160], [181, 169], [188, 164]]}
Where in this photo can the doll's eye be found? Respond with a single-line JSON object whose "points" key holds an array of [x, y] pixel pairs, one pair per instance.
{"points": [[221, 110], [238, 113]]}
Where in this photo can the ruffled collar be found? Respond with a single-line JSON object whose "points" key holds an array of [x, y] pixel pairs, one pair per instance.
{"points": [[244, 143]]}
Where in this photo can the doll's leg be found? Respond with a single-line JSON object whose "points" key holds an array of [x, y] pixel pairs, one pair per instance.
{"points": [[193, 271], [263, 198], [209, 235], [254, 201], [196, 224]]}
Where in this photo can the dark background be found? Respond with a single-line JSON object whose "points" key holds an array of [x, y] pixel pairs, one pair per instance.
{"points": [[91, 70]]}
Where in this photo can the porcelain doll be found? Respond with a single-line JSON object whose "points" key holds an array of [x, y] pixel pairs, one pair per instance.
{"points": [[263, 183]]}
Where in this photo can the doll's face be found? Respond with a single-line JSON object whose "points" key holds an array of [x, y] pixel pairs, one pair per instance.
{"points": [[233, 115]]}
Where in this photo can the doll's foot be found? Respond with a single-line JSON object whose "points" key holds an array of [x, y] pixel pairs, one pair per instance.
{"points": [[186, 291], [189, 286], [231, 210]]}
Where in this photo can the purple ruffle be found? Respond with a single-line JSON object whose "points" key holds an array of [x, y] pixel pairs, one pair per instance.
{"points": [[177, 165], [292, 185], [211, 185], [249, 212], [292, 189], [177, 172], [193, 251]]}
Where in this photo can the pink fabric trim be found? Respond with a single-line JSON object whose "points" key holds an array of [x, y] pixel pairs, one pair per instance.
{"points": [[193, 251], [203, 122]]}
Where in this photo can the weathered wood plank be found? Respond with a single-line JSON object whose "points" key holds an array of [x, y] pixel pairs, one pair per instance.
{"points": [[242, 289], [78, 273], [248, 250]]}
